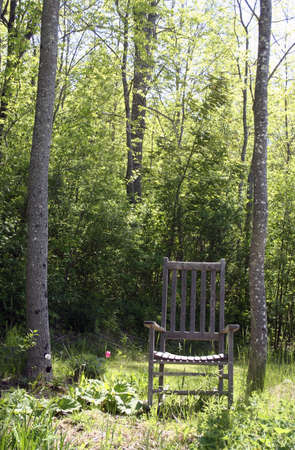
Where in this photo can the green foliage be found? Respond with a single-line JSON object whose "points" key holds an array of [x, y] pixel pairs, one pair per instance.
{"points": [[64, 405], [115, 397], [13, 351], [118, 397], [26, 422], [104, 254]]}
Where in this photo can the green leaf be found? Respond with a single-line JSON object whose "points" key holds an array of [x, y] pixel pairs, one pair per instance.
{"points": [[280, 430], [65, 405]]}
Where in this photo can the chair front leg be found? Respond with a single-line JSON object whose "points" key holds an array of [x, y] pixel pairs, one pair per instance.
{"points": [[161, 370], [151, 365]]}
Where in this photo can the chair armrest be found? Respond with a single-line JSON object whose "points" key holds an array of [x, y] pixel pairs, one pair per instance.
{"points": [[230, 328], [154, 325]]}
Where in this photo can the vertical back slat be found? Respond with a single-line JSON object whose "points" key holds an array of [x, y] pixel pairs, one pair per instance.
{"points": [[212, 301], [164, 293], [222, 291], [183, 300], [203, 302], [193, 301], [173, 300], [221, 306]]}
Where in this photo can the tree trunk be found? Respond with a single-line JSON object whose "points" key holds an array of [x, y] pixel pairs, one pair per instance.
{"points": [[145, 22], [125, 20], [36, 271], [258, 345]]}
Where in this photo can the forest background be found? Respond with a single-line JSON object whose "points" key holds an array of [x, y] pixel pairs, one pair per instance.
{"points": [[187, 194]]}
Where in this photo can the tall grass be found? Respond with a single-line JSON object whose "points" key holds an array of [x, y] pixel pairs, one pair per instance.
{"points": [[26, 425], [31, 433], [265, 422]]}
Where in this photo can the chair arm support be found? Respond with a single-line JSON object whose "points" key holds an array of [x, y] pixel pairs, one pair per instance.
{"points": [[231, 328], [154, 325]]}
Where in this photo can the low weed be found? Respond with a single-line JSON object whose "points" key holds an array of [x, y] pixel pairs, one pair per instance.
{"points": [[84, 363], [87, 364], [13, 352], [119, 397]]}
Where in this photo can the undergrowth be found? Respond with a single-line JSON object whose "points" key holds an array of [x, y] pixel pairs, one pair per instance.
{"points": [[108, 410]]}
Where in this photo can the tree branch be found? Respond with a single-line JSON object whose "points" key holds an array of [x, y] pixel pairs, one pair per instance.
{"points": [[281, 60], [251, 9]]}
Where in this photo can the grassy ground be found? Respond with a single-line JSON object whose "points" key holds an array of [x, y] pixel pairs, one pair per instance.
{"points": [[267, 421], [74, 414]]}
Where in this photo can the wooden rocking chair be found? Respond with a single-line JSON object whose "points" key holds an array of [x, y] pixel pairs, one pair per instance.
{"points": [[199, 325]]}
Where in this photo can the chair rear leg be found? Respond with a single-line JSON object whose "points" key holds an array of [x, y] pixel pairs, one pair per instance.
{"points": [[161, 383], [220, 381]]}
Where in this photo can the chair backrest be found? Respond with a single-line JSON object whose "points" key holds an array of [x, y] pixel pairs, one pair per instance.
{"points": [[193, 297]]}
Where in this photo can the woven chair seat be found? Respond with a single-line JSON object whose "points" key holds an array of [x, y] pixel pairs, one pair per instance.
{"points": [[180, 359]]}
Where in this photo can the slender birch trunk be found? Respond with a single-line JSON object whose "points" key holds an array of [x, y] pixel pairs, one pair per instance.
{"points": [[39, 363], [258, 345]]}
